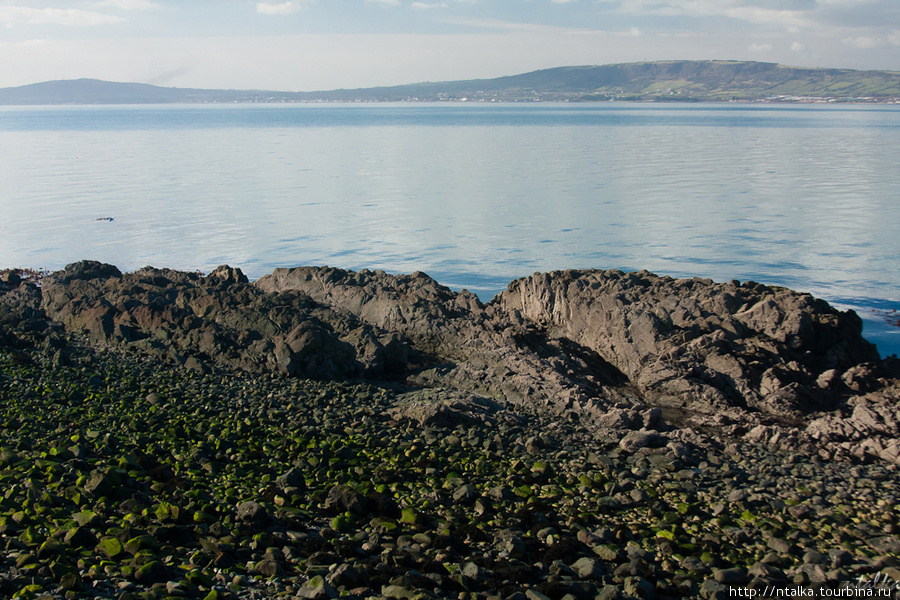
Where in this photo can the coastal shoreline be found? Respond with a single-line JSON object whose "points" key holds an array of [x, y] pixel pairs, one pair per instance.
{"points": [[321, 431]]}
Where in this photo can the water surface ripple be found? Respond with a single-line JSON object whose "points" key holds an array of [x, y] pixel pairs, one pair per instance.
{"points": [[473, 194]]}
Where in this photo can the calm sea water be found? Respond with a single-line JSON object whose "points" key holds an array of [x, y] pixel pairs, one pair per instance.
{"points": [[475, 195]]}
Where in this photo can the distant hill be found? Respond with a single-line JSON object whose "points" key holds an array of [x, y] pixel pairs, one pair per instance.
{"points": [[657, 81], [94, 91], [648, 81]]}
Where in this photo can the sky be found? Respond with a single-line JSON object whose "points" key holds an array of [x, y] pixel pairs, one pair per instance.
{"points": [[311, 45]]}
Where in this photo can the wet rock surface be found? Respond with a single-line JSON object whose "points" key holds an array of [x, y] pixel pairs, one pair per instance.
{"points": [[155, 444]]}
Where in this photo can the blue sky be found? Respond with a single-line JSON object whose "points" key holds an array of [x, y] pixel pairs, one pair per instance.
{"points": [[325, 44]]}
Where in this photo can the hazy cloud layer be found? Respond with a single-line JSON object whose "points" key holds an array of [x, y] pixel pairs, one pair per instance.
{"points": [[310, 44], [13, 15]]}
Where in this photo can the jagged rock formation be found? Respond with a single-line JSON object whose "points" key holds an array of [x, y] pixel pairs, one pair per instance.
{"points": [[744, 356], [474, 347], [219, 318], [683, 343], [695, 343], [607, 347]]}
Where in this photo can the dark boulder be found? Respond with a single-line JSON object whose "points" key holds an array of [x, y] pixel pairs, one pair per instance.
{"points": [[343, 498], [252, 514]]}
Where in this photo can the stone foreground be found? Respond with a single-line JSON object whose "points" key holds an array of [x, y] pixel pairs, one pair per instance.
{"points": [[586, 434], [600, 346]]}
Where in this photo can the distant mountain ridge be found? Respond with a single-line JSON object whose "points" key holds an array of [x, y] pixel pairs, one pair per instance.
{"points": [[714, 80], [95, 91]]}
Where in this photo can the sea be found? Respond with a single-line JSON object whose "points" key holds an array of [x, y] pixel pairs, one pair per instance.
{"points": [[476, 195]]}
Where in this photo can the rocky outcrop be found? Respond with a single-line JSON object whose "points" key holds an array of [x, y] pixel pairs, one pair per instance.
{"points": [[472, 347], [866, 425], [416, 306], [607, 335], [735, 357], [21, 316], [699, 344], [619, 351], [445, 409], [219, 318]]}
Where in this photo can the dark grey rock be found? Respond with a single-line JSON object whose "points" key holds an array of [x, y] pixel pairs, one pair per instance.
{"points": [[767, 573], [840, 558], [778, 545], [252, 513], [473, 571], [693, 564], [737, 495], [152, 572], [713, 590], [347, 576], [588, 568], [811, 573], [887, 544], [99, 484], [639, 587], [816, 558], [635, 440], [342, 498], [292, 478], [730, 576], [222, 317], [609, 592], [317, 589], [465, 493]]}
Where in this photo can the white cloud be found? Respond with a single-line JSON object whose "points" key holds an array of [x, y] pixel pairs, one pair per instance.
{"points": [[862, 42], [563, 1], [835, 19], [11, 15], [654, 7], [515, 26], [767, 16], [284, 8], [848, 3], [127, 4], [753, 11], [483, 43]]}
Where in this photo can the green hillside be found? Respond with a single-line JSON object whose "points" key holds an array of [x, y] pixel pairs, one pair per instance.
{"points": [[666, 80], [716, 80]]}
